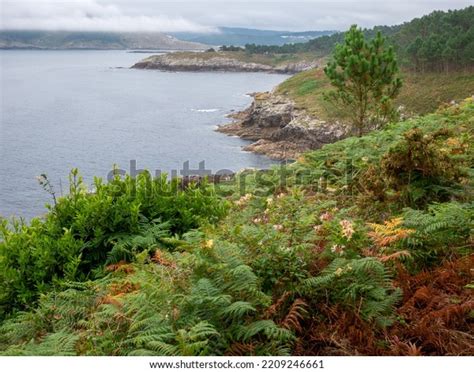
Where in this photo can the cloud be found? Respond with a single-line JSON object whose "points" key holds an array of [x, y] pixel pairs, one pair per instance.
{"points": [[206, 15], [86, 15]]}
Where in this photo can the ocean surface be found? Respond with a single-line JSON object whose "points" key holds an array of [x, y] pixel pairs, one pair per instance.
{"points": [[85, 109]]}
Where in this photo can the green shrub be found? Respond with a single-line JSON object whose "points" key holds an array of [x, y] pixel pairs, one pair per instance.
{"points": [[85, 230], [420, 171]]}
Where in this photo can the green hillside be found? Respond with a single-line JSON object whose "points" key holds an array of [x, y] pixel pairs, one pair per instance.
{"points": [[421, 92]]}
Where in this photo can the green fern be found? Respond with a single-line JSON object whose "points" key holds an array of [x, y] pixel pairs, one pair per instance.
{"points": [[361, 284], [238, 310], [266, 328], [125, 246], [58, 343], [443, 230]]}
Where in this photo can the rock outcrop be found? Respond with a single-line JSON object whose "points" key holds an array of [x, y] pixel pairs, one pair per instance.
{"points": [[204, 62], [279, 130]]}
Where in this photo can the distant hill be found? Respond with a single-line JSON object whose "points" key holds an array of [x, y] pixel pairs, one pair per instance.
{"points": [[241, 36], [93, 40]]}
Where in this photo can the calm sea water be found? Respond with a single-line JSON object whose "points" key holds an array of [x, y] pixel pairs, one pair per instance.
{"points": [[66, 109]]}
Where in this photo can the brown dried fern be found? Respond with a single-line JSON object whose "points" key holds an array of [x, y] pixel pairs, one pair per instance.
{"points": [[296, 314]]}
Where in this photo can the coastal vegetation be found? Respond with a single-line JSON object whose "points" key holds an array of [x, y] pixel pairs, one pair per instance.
{"points": [[361, 247], [419, 94]]}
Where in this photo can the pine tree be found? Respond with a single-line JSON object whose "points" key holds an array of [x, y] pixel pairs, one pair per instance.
{"points": [[364, 74]]}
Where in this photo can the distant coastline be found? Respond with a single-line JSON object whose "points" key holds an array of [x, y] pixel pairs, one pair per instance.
{"points": [[64, 40]]}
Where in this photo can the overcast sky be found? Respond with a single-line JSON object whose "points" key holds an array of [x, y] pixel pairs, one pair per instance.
{"points": [[169, 16]]}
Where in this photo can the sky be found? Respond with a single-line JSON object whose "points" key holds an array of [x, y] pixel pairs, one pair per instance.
{"points": [[206, 16]]}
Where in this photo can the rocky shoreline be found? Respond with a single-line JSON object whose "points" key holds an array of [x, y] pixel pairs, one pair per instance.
{"points": [[277, 128], [280, 130], [197, 62]]}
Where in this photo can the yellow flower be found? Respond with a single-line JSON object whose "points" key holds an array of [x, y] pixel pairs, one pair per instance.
{"points": [[209, 243]]}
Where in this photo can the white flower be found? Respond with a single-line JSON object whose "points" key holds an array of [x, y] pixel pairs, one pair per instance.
{"points": [[326, 216], [317, 228], [339, 249], [347, 228], [244, 199]]}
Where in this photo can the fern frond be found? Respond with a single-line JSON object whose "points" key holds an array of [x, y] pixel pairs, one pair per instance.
{"points": [[238, 309], [296, 314]]}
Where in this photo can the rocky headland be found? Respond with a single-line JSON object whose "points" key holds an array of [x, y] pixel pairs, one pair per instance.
{"points": [[216, 62], [279, 129], [273, 122]]}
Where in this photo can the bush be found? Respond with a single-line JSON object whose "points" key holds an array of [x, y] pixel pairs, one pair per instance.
{"points": [[86, 230], [417, 169]]}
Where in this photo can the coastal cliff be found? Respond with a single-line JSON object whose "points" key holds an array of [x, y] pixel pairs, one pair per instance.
{"points": [[217, 61], [279, 129]]}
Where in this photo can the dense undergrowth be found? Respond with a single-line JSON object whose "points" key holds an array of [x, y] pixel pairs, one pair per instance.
{"points": [[361, 247]]}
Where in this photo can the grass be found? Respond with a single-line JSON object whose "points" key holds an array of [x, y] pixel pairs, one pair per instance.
{"points": [[306, 89], [421, 93]]}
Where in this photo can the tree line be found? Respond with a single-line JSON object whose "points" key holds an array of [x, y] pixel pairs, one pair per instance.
{"points": [[440, 41]]}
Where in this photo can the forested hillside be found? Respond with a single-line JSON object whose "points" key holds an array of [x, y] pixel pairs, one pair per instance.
{"points": [[440, 41]]}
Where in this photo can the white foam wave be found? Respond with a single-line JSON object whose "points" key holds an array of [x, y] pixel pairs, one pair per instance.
{"points": [[206, 110]]}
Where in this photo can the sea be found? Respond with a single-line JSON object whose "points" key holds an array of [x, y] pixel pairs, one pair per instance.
{"points": [[61, 110]]}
